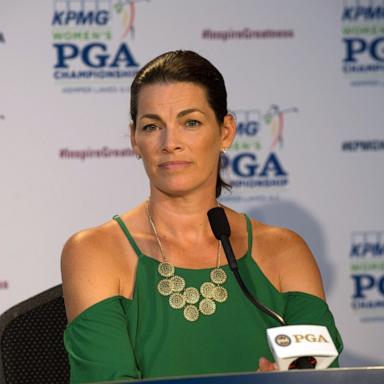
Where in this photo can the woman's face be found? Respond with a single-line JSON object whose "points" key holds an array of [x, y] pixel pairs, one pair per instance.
{"points": [[177, 135]]}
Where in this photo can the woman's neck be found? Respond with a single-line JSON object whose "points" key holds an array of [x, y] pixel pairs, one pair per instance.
{"points": [[183, 217]]}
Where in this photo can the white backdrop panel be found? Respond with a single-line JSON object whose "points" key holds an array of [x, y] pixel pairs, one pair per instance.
{"points": [[330, 195]]}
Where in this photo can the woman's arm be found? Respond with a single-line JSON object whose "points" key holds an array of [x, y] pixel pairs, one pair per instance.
{"points": [[289, 264], [97, 338], [298, 270], [88, 271]]}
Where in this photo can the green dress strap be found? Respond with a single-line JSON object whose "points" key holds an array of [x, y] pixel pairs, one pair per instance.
{"points": [[127, 234], [250, 235]]}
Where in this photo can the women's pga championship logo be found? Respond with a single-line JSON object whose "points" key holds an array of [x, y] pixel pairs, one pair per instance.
{"points": [[255, 158], [363, 41], [90, 41], [367, 274]]}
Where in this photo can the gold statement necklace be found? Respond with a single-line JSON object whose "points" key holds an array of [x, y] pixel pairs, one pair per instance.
{"points": [[190, 299]]}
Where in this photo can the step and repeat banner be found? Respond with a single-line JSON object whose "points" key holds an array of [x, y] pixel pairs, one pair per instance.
{"points": [[305, 81]]}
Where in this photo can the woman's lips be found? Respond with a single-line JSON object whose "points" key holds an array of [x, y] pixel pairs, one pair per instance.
{"points": [[174, 165]]}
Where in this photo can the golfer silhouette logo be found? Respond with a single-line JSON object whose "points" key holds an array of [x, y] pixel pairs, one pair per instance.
{"points": [[274, 118], [127, 11]]}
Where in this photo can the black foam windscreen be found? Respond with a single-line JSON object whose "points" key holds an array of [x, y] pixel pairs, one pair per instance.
{"points": [[219, 222]]}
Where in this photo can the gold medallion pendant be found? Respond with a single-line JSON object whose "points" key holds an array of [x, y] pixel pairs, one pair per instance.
{"points": [[191, 300]]}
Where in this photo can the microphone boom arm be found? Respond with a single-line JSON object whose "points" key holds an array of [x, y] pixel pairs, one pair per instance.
{"points": [[232, 262]]}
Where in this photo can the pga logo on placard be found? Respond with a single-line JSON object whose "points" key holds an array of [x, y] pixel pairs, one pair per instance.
{"points": [[285, 340], [291, 342]]}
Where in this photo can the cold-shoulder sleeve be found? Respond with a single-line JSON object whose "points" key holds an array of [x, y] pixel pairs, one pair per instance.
{"points": [[303, 308], [99, 345]]}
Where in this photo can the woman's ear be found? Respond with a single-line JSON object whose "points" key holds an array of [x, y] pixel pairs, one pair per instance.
{"points": [[228, 131]]}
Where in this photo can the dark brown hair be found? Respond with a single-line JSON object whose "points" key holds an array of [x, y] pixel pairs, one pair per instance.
{"points": [[185, 66]]}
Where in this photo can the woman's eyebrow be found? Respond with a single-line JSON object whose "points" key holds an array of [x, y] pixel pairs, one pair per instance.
{"points": [[150, 116], [190, 110], [154, 116]]}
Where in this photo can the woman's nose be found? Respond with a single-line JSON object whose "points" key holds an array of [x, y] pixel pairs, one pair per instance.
{"points": [[171, 140]]}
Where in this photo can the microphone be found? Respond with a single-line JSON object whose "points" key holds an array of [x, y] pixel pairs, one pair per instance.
{"points": [[293, 346], [221, 229]]}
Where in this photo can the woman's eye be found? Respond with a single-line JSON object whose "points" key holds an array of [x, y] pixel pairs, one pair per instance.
{"points": [[149, 127], [192, 123]]}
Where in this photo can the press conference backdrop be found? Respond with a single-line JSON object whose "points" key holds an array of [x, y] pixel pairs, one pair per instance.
{"points": [[305, 80]]}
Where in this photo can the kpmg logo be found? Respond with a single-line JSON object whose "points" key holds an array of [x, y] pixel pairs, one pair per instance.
{"points": [[254, 160], [367, 274], [363, 41], [90, 43], [368, 12], [82, 17]]}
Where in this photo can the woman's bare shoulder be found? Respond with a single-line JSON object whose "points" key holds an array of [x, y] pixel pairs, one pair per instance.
{"points": [[88, 268], [89, 239], [277, 237], [287, 257], [90, 246], [96, 263]]}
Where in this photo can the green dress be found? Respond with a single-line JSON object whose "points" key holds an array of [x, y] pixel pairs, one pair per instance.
{"points": [[119, 338]]}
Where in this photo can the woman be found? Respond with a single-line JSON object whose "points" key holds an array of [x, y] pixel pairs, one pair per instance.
{"points": [[149, 293]]}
